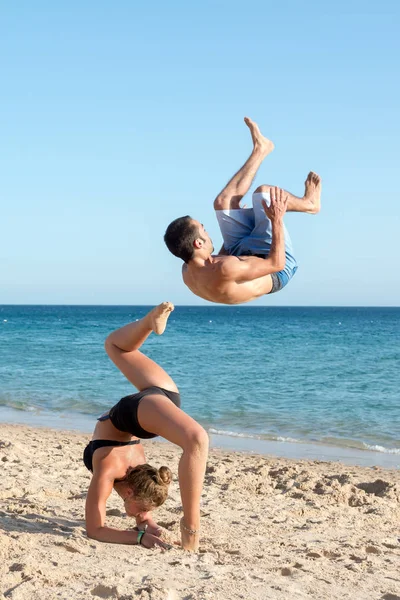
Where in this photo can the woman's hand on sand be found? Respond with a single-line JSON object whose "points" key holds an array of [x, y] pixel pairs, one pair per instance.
{"points": [[150, 526], [154, 529], [153, 541]]}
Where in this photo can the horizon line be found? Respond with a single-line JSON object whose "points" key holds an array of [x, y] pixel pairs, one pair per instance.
{"points": [[246, 305]]}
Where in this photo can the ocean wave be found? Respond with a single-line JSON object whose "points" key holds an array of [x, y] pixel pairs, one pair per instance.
{"points": [[68, 406], [233, 434], [253, 436], [77, 409], [378, 448], [19, 405], [331, 442]]}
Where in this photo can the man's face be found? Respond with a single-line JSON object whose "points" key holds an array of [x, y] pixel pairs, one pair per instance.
{"points": [[207, 244]]}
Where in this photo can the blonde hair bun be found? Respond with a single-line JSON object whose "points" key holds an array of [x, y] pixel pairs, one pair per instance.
{"points": [[165, 475]]}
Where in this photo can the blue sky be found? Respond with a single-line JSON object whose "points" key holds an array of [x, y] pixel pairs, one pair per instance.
{"points": [[118, 117]]}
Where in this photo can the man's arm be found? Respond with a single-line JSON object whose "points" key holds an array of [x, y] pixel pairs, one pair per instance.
{"points": [[247, 268]]}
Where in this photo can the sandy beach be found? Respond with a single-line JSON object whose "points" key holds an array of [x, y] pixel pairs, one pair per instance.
{"points": [[271, 528]]}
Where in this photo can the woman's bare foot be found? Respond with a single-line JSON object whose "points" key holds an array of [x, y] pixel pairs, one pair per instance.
{"points": [[189, 541], [158, 317], [260, 142], [312, 194]]}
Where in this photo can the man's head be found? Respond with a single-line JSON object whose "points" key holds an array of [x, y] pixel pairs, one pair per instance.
{"points": [[185, 237]]}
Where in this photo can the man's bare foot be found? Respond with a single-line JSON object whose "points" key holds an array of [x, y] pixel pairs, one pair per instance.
{"points": [[158, 317], [260, 142], [312, 194]]}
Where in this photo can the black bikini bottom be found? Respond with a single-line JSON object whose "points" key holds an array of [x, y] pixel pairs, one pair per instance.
{"points": [[124, 414]]}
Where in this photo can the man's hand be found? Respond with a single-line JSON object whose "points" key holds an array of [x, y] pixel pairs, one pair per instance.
{"points": [[278, 206]]}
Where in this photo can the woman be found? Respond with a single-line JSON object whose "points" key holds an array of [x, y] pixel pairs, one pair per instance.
{"points": [[115, 454]]}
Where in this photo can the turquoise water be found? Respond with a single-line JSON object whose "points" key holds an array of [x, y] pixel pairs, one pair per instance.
{"points": [[327, 375]]}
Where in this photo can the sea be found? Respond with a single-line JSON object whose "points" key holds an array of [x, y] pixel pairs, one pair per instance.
{"points": [[303, 382]]}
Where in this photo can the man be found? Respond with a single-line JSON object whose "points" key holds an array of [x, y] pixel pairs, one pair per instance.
{"points": [[257, 256]]}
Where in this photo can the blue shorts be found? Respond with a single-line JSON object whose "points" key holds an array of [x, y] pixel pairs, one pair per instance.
{"points": [[248, 232]]}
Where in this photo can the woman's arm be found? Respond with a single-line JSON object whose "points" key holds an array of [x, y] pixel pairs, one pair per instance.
{"points": [[99, 490]]}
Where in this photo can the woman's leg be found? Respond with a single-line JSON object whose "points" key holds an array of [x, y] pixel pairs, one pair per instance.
{"points": [[122, 346], [162, 417]]}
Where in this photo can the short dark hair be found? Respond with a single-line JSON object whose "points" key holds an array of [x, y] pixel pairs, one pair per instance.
{"points": [[179, 237]]}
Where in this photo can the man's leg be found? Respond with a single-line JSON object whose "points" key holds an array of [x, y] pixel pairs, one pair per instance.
{"points": [[259, 242], [311, 201], [239, 185]]}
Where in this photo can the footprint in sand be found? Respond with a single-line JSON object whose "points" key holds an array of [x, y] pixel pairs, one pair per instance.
{"points": [[17, 567], [313, 555], [331, 555], [69, 547], [170, 525], [376, 488], [372, 550], [357, 558], [74, 546], [114, 512], [104, 591]]}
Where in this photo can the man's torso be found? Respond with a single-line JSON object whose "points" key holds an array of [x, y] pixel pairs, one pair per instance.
{"points": [[208, 283]]}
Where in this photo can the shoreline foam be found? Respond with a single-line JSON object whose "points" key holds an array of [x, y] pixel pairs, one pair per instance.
{"points": [[283, 447]]}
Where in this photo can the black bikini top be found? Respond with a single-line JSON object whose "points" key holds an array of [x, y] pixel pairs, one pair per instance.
{"points": [[95, 444]]}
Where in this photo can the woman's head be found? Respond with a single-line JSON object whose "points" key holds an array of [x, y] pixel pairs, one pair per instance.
{"points": [[147, 488]]}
